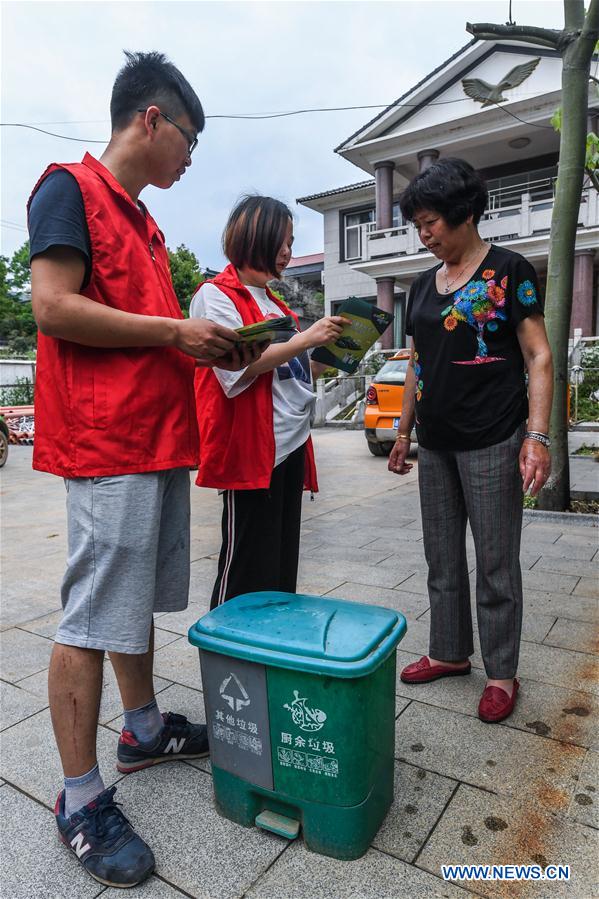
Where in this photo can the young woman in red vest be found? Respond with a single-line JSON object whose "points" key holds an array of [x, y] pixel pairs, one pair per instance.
{"points": [[255, 443]]}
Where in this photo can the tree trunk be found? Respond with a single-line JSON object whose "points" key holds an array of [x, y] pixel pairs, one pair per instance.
{"points": [[560, 272], [576, 43]]}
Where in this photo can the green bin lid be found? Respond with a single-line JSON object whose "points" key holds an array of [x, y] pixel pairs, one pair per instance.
{"points": [[305, 633]]}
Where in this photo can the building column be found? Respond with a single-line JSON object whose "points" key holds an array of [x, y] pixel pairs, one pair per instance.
{"points": [[383, 173], [385, 299], [426, 158], [582, 294]]}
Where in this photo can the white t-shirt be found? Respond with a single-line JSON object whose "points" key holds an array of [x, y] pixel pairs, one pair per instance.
{"points": [[292, 394]]}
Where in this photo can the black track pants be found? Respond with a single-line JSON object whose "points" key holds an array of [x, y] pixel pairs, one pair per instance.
{"points": [[261, 534]]}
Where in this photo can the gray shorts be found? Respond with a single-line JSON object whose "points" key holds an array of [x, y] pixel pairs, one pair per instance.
{"points": [[128, 557]]}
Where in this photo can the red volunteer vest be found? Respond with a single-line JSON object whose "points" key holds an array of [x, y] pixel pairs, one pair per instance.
{"points": [[237, 442], [115, 411]]}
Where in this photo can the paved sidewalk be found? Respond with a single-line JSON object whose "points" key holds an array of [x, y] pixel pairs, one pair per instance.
{"points": [[520, 792]]}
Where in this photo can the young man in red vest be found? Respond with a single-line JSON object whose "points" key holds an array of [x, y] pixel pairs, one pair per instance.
{"points": [[115, 417]]}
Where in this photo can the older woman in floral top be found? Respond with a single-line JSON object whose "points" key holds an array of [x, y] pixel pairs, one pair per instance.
{"points": [[476, 323]]}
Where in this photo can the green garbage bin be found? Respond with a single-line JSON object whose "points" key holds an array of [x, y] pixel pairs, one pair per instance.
{"points": [[300, 707]]}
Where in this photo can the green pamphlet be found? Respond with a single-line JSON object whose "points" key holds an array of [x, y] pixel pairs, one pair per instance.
{"points": [[367, 324]]}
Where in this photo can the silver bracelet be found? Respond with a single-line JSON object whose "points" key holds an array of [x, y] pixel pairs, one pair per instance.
{"points": [[538, 435]]}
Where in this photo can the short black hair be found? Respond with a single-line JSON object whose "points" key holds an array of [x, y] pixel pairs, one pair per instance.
{"points": [[149, 79], [450, 187], [254, 233]]}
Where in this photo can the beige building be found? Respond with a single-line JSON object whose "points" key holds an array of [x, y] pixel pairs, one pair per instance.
{"points": [[369, 251]]}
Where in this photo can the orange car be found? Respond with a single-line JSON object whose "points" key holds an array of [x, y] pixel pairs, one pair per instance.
{"points": [[384, 399]]}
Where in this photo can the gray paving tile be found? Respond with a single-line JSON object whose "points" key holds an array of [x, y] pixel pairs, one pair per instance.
{"points": [[562, 667], [338, 553], [538, 580], [33, 863], [205, 548], [583, 537], [410, 553], [529, 559], [535, 627], [410, 604], [31, 762], [416, 583], [576, 635], [419, 800], [580, 608], [572, 550], [179, 662], [299, 873], [541, 533], [465, 748], [17, 704], [202, 577], [23, 654], [567, 566], [44, 626], [356, 537], [162, 637], [110, 705], [204, 854], [479, 828], [337, 572], [26, 599], [180, 622], [311, 586], [585, 804], [587, 586], [153, 888], [542, 709]]}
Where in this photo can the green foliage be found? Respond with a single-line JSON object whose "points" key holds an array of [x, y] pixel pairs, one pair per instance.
{"points": [[20, 394], [18, 329], [591, 161], [556, 119], [278, 295], [588, 407], [373, 363], [186, 275]]}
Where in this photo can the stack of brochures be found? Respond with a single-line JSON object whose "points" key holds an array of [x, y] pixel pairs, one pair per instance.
{"points": [[274, 330]]}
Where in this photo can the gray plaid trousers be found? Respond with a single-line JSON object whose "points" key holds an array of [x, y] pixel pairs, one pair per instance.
{"points": [[483, 487]]}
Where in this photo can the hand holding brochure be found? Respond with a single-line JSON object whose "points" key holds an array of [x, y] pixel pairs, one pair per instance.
{"points": [[275, 330], [367, 324]]}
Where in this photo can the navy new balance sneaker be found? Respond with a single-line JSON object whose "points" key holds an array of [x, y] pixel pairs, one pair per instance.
{"points": [[104, 842], [178, 739]]}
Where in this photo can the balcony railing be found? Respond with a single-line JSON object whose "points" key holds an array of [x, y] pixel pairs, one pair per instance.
{"points": [[511, 214]]}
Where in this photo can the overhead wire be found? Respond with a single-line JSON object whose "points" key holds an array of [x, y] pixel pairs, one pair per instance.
{"points": [[256, 117], [13, 225]]}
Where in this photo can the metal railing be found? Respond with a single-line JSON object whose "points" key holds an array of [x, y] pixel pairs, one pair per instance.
{"points": [[510, 215], [334, 395]]}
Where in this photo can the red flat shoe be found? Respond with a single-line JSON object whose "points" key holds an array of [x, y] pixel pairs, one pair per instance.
{"points": [[495, 704], [422, 672]]}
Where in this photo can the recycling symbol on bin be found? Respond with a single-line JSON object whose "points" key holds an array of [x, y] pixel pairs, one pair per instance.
{"points": [[234, 693], [303, 716]]}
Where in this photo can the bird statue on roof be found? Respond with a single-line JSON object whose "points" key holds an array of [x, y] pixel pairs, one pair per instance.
{"points": [[490, 94]]}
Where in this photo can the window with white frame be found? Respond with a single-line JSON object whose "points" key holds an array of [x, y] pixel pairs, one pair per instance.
{"points": [[353, 224], [353, 228]]}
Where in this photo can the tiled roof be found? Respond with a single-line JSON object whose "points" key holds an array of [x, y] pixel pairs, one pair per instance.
{"points": [[337, 190], [312, 259]]}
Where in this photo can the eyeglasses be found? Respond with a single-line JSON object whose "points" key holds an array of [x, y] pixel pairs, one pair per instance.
{"points": [[192, 142]]}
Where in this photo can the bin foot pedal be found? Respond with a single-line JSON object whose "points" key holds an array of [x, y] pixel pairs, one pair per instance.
{"points": [[279, 824]]}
